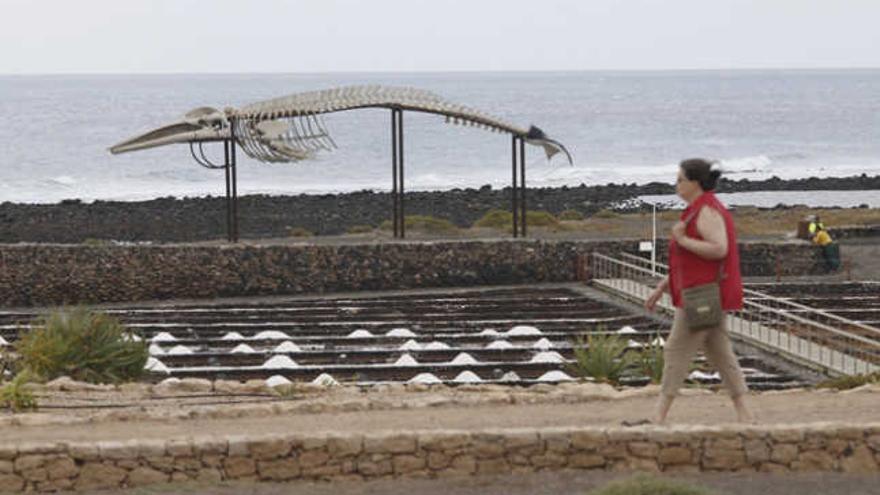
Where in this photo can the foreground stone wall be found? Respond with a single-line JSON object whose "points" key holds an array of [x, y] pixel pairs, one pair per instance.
{"points": [[33, 275], [778, 449]]}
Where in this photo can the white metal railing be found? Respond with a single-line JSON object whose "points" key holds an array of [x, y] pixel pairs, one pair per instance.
{"points": [[814, 337]]}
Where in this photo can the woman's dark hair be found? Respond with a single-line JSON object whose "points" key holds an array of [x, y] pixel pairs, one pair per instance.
{"points": [[701, 171]]}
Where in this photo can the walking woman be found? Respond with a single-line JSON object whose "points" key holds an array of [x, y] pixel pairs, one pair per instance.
{"points": [[702, 250]]}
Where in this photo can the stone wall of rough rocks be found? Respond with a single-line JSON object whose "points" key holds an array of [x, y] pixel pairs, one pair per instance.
{"points": [[778, 449], [33, 275]]}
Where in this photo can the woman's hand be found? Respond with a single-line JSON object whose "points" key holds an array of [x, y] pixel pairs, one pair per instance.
{"points": [[678, 231], [655, 296]]}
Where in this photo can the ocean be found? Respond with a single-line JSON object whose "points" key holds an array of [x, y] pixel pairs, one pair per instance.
{"points": [[622, 127]]}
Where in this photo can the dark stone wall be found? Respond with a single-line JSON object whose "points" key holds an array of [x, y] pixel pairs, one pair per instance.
{"points": [[35, 275]]}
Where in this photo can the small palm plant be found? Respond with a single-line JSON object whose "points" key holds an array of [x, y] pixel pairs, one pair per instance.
{"points": [[602, 357], [85, 345], [16, 396], [651, 361]]}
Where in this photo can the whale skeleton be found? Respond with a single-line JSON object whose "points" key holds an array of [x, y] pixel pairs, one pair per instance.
{"points": [[292, 129]]}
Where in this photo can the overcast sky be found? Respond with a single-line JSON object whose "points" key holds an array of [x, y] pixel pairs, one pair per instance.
{"points": [[137, 36]]}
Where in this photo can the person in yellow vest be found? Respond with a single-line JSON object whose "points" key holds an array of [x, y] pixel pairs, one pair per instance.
{"points": [[830, 250], [821, 237]]}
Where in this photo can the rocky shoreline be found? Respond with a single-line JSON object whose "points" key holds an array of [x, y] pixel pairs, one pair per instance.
{"points": [[197, 219]]}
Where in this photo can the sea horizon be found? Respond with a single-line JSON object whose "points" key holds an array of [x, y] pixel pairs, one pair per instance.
{"points": [[622, 126]]}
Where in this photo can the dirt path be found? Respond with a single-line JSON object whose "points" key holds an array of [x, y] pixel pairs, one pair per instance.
{"points": [[792, 407]]}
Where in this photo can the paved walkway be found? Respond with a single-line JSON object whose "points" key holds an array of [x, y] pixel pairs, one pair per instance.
{"points": [[770, 408]]}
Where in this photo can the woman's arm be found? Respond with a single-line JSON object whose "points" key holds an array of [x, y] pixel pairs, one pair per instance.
{"points": [[655, 296], [710, 225]]}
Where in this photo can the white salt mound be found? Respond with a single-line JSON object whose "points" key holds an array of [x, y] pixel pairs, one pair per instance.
{"points": [[232, 336], [360, 334], [155, 350], [277, 381], [627, 330], [406, 360], [163, 337], [271, 335], [280, 362], [555, 376], [543, 344], [510, 376], [633, 344], [179, 350], [427, 378], [242, 349], [524, 330], [499, 344], [467, 377], [156, 366], [464, 358], [548, 357], [435, 346], [400, 332], [325, 380], [287, 346], [410, 345]]}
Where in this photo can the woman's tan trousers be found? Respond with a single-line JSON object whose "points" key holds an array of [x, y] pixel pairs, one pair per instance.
{"points": [[683, 344]]}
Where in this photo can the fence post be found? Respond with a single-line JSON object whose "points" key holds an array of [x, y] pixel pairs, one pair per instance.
{"points": [[778, 270]]}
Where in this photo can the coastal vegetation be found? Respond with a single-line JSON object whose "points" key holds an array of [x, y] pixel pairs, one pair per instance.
{"points": [[84, 345], [16, 396], [425, 224], [650, 360], [650, 485], [571, 215], [503, 220], [602, 357], [360, 229], [299, 232]]}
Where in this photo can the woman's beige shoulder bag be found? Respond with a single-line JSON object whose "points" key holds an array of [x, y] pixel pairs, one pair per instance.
{"points": [[702, 303]]}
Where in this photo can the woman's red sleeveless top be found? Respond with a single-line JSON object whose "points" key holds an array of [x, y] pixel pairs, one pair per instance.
{"points": [[687, 269]]}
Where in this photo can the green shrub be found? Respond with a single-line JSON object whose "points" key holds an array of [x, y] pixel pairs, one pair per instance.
{"points": [[298, 232], [495, 219], [847, 382], [648, 485], [606, 214], [503, 220], [15, 394], [424, 223], [601, 357], [7, 363], [541, 219], [571, 215], [360, 229], [95, 242], [84, 345], [650, 361]]}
